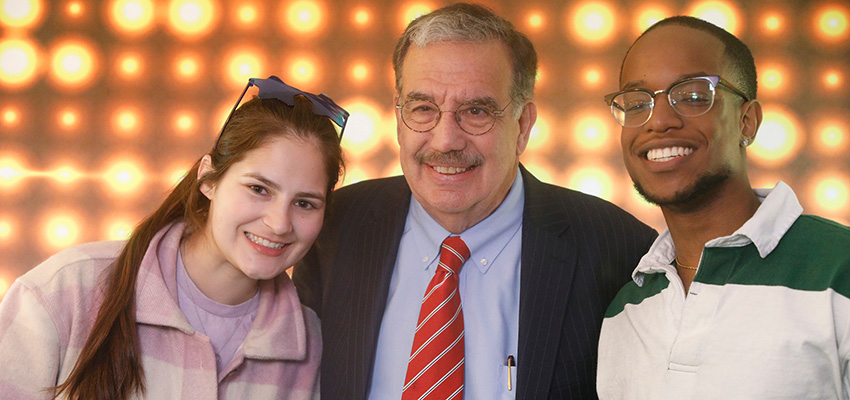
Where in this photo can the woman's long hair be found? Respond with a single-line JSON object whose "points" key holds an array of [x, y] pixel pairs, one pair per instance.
{"points": [[110, 364]]}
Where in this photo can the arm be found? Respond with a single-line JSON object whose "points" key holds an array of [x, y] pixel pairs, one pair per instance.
{"points": [[29, 346]]}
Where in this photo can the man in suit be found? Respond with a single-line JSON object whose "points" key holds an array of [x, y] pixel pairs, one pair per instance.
{"points": [[543, 262]]}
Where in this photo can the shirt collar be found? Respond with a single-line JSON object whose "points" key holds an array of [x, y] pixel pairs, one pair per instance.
{"points": [[485, 240], [778, 210]]}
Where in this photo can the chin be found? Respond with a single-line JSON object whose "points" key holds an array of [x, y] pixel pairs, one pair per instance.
{"points": [[706, 186]]}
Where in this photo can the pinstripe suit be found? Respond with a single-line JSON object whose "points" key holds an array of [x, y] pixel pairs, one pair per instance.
{"points": [[577, 252]]}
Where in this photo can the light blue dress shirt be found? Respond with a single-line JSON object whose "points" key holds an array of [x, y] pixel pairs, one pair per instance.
{"points": [[489, 290]]}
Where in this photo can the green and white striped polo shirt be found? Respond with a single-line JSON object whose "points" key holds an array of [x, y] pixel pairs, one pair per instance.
{"points": [[767, 315]]}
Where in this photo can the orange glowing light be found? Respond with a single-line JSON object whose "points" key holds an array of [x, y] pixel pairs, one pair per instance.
{"points": [[192, 19], [362, 17], [185, 122], [832, 137], [130, 65], [127, 120], [303, 70], [541, 132], [773, 22], [592, 76], [648, 16], [241, 65], [176, 174], [124, 176], [11, 116], [304, 17], [779, 138], [7, 229], [592, 178], [75, 8], [68, 118], [360, 71], [832, 23], [535, 21], [593, 23], [365, 126], [721, 13], [11, 172], [832, 79], [187, 67], [592, 132], [61, 229], [412, 11], [132, 17], [20, 13], [73, 64], [118, 228], [772, 78], [537, 165], [247, 14], [830, 191], [65, 174], [19, 61]]}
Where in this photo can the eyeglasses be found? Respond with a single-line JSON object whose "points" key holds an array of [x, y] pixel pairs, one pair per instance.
{"points": [[474, 118], [689, 97], [274, 88]]}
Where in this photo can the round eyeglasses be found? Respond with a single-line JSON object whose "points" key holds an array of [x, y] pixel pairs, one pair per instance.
{"points": [[474, 118], [689, 97]]}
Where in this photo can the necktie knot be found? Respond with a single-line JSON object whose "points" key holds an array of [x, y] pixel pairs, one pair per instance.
{"points": [[453, 253]]}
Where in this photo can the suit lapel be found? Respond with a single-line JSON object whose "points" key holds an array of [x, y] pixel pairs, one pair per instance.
{"points": [[547, 273]]}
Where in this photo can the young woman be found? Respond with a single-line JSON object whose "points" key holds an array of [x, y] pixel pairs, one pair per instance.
{"points": [[196, 304]]}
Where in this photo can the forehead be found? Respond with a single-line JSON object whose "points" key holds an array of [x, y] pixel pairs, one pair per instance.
{"points": [[670, 53], [457, 70]]}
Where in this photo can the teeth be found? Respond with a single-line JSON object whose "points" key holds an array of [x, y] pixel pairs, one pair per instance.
{"points": [[263, 242], [668, 153], [449, 170]]}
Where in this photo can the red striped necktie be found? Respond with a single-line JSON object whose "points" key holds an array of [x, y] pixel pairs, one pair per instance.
{"points": [[435, 368]]}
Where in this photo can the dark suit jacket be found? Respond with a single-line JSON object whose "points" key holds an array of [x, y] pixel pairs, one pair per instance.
{"points": [[577, 252]]}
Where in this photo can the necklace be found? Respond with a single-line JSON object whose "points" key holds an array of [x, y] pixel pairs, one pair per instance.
{"points": [[678, 264]]}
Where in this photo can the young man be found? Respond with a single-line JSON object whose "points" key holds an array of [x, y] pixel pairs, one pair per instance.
{"points": [[542, 262], [742, 296]]}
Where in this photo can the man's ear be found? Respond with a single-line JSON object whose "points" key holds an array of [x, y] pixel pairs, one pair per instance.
{"points": [[205, 168], [526, 121], [750, 120]]}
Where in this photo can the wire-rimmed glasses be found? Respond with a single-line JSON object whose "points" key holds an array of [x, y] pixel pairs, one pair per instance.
{"points": [[689, 97], [475, 118]]}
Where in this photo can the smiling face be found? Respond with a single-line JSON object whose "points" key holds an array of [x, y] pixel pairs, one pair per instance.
{"points": [[458, 178], [675, 160], [266, 210]]}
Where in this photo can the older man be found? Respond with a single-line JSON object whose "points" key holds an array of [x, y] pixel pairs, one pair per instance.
{"points": [[742, 296], [520, 319]]}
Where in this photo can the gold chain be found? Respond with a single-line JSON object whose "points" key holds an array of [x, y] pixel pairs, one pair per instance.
{"points": [[678, 264]]}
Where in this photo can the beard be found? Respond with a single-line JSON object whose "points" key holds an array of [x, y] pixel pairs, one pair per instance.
{"points": [[705, 187]]}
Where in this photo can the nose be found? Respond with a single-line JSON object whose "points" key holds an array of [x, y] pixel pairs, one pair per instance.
{"points": [[277, 219], [448, 135], [663, 117]]}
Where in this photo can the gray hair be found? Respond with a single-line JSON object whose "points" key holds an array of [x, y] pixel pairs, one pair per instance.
{"points": [[471, 23]]}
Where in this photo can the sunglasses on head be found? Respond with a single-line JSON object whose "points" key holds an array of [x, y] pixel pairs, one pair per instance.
{"points": [[274, 88]]}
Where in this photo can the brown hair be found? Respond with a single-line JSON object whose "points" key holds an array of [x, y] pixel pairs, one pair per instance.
{"points": [[471, 23], [110, 364]]}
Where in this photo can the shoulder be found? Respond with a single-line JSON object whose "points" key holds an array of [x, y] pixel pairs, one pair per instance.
{"points": [[80, 264], [370, 190]]}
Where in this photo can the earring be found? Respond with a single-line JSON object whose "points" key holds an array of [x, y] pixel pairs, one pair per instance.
{"points": [[745, 142]]}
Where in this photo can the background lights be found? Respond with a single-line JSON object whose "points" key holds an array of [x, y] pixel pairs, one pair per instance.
{"points": [[105, 105]]}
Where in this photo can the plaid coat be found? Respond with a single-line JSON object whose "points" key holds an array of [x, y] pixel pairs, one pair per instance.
{"points": [[48, 313]]}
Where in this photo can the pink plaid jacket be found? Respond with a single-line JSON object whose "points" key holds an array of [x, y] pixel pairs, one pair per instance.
{"points": [[48, 313]]}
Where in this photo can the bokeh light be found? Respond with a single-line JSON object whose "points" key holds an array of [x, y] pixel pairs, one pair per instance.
{"points": [[779, 138], [130, 65], [192, 19], [185, 122], [75, 8], [131, 17], [124, 176], [12, 172], [65, 174], [535, 21], [118, 227], [302, 70], [413, 10], [592, 23], [248, 14], [10, 116], [828, 191], [73, 64], [648, 15], [721, 13], [773, 23], [7, 229], [20, 13], [361, 17], [127, 121], [592, 132], [541, 132], [832, 79], [187, 67], [592, 178], [68, 118], [364, 128], [832, 23], [304, 17], [19, 63], [241, 64], [61, 229], [361, 72], [774, 78], [831, 136]]}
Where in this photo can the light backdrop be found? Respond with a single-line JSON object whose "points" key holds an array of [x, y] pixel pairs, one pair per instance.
{"points": [[104, 104]]}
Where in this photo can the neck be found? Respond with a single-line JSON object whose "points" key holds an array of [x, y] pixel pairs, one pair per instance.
{"points": [[692, 226], [215, 278]]}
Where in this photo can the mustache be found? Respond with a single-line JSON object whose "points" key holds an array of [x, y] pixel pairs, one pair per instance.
{"points": [[454, 157]]}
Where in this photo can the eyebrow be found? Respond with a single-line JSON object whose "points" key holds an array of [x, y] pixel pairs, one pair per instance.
{"points": [[487, 100], [276, 187], [642, 83]]}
